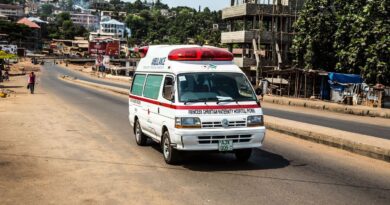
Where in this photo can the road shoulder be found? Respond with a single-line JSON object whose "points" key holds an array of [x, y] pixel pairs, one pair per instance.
{"points": [[50, 151]]}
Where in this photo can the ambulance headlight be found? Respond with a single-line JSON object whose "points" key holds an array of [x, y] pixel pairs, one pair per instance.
{"points": [[187, 122], [255, 121]]}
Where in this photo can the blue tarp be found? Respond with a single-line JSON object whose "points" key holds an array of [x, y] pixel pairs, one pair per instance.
{"points": [[344, 78]]}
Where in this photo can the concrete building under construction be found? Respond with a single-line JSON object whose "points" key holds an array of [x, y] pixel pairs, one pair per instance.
{"points": [[263, 31]]}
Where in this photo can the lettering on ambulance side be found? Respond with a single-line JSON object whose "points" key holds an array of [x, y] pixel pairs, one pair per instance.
{"points": [[157, 63], [135, 101], [221, 111]]}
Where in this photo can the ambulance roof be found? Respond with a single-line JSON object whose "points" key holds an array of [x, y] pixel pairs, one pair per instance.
{"points": [[156, 61]]}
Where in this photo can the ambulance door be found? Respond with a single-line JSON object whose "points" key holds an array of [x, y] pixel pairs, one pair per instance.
{"points": [[151, 91], [166, 115]]}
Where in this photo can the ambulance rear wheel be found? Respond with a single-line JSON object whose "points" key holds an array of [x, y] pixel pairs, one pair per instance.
{"points": [[243, 155], [140, 138], [171, 155]]}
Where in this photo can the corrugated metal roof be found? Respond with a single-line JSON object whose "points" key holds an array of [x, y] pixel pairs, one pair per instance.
{"points": [[28, 23]]}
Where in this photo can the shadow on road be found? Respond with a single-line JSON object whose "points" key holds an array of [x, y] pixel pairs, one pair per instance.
{"points": [[213, 161]]}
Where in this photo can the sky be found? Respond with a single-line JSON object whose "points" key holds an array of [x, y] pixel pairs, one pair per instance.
{"points": [[212, 4]]}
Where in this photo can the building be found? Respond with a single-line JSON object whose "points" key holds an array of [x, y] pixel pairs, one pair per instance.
{"points": [[3, 17], [111, 28], [167, 13], [99, 4], [263, 30], [34, 41], [31, 7], [105, 46], [110, 13], [89, 21], [37, 20], [71, 48], [12, 12], [47, 1]]}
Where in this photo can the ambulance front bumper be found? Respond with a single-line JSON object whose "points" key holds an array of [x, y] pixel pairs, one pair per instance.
{"points": [[208, 139]]}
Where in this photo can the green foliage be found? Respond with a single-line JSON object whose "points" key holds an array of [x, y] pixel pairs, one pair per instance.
{"points": [[181, 25], [12, 1], [69, 5], [346, 36], [313, 44], [16, 32], [5, 55], [45, 11], [63, 28]]}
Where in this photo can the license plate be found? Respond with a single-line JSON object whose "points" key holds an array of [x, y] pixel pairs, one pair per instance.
{"points": [[225, 145]]}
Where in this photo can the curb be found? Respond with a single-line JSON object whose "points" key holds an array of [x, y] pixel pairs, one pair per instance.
{"points": [[383, 113], [279, 125], [96, 85], [340, 142]]}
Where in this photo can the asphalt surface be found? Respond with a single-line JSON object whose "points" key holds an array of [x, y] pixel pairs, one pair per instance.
{"points": [[345, 125], [281, 172]]}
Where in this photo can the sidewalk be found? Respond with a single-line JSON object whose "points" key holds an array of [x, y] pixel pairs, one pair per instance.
{"points": [[356, 143], [334, 107], [51, 153]]}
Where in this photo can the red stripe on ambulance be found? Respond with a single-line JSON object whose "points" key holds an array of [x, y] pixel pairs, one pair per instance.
{"points": [[200, 107]]}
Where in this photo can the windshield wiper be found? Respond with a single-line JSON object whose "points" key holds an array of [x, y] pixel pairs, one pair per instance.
{"points": [[227, 100], [197, 100]]}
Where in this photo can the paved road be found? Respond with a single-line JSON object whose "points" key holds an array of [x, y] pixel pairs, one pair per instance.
{"points": [[345, 125], [284, 171], [63, 71]]}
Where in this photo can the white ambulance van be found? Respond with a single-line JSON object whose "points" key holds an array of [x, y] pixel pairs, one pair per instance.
{"points": [[194, 98]]}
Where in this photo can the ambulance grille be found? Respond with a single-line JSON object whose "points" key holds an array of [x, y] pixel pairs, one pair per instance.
{"points": [[215, 139], [219, 124]]}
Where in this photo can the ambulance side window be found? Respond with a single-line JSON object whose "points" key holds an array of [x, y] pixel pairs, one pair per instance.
{"points": [[152, 86], [168, 88], [138, 84]]}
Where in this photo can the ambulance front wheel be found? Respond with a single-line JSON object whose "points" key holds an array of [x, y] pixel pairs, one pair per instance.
{"points": [[243, 155], [171, 155], [140, 138]]}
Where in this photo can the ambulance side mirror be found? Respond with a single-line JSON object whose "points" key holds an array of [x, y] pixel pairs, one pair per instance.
{"points": [[259, 91]]}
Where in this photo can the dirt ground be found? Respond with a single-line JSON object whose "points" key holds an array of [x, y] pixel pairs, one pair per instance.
{"points": [[52, 154], [24, 64]]}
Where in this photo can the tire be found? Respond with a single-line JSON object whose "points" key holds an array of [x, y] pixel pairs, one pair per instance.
{"points": [[171, 155], [140, 138], [243, 155]]}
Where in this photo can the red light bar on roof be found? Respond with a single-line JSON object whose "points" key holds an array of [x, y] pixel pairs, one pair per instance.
{"points": [[143, 51], [200, 54]]}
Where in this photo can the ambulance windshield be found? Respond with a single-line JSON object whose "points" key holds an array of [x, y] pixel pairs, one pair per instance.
{"points": [[217, 87]]}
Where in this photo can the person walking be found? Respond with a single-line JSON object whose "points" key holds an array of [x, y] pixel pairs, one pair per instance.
{"points": [[6, 76], [31, 82]]}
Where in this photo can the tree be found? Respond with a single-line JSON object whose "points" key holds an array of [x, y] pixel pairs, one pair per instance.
{"points": [[181, 25], [12, 1], [69, 5], [345, 35], [63, 28], [16, 32], [46, 10], [362, 39], [313, 44]]}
